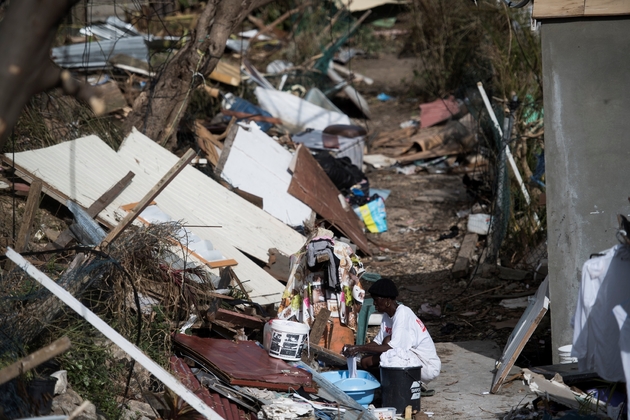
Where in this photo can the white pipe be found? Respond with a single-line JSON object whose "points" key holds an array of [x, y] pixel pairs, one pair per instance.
{"points": [[508, 152], [133, 351]]}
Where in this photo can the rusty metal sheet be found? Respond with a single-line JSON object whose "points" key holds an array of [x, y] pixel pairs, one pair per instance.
{"points": [[244, 363], [224, 407], [312, 186]]}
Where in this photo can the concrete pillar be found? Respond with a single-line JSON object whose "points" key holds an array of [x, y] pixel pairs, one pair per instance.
{"points": [[586, 79]]}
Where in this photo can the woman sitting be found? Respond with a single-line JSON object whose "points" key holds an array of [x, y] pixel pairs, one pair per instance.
{"points": [[402, 341]]}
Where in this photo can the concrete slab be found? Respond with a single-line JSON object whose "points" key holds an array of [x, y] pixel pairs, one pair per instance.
{"points": [[462, 389]]}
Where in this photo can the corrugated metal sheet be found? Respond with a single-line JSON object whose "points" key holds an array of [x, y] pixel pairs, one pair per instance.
{"points": [[257, 164], [224, 407], [244, 363], [96, 54], [85, 168]]}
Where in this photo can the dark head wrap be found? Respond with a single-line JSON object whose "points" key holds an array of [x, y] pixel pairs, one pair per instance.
{"points": [[384, 288]]}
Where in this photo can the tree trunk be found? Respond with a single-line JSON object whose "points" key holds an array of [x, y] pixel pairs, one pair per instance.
{"points": [[26, 36], [158, 110]]}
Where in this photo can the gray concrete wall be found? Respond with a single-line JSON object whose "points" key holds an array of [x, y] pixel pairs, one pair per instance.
{"points": [[586, 77]]}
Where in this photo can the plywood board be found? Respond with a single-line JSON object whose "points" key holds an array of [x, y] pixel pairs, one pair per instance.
{"points": [[312, 186], [257, 164], [558, 8], [606, 7], [226, 73], [521, 334]]}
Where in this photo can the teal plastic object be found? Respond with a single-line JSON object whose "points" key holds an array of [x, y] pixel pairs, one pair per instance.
{"points": [[367, 309]]}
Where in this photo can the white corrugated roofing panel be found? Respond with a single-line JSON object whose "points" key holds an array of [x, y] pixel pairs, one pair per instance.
{"points": [[194, 194], [86, 168], [257, 164]]}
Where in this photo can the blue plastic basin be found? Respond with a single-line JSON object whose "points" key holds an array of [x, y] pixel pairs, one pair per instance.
{"points": [[361, 389]]}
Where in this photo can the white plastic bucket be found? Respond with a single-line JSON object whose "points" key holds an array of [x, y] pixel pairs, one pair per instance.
{"points": [[285, 339], [479, 223], [564, 353]]}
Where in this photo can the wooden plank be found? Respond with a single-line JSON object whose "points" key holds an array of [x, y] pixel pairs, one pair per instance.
{"points": [[109, 195], [154, 192], [521, 334], [279, 265], [205, 140], [158, 371], [226, 73], [219, 263], [606, 7], [227, 145], [460, 268], [97, 206], [311, 185], [558, 8], [34, 359], [32, 204], [319, 325], [238, 319]]}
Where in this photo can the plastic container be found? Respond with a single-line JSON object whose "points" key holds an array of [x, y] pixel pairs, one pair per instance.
{"points": [[361, 389], [385, 413], [401, 387], [285, 339], [479, 223], [41, 392]]}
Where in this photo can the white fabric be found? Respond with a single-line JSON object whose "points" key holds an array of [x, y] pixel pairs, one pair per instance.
{"points": [[411, 343], [621, 314], [596, 333]]}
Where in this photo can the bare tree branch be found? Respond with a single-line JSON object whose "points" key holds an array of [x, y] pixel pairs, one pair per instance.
{"points": [[26, 36], [158, 111]]}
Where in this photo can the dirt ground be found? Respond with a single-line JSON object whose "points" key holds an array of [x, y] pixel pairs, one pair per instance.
{"points": [[420, 208]]}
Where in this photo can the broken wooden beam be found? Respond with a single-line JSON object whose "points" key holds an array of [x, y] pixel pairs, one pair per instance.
{"points": [[32, 204], [319, 325], [466, 251], [238, 319], [148, 198], [279, 265], [327, 356], [34, 359]]}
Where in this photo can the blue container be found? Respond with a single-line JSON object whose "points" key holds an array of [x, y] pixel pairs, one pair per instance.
{"points": [[361, 389]]}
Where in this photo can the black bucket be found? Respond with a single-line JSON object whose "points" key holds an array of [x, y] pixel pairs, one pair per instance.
{"points": [[41, 393], [400, 387]]}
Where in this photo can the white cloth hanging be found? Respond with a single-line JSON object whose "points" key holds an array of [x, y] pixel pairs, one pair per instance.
{"points": [[596, 336]]}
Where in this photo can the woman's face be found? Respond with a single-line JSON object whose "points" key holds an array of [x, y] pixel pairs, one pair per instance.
{"points": [[380, 303]]}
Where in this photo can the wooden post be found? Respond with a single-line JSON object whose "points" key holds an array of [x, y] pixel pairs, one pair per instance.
{"points": [[34, 359], [146, 200], [32, 203]]}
